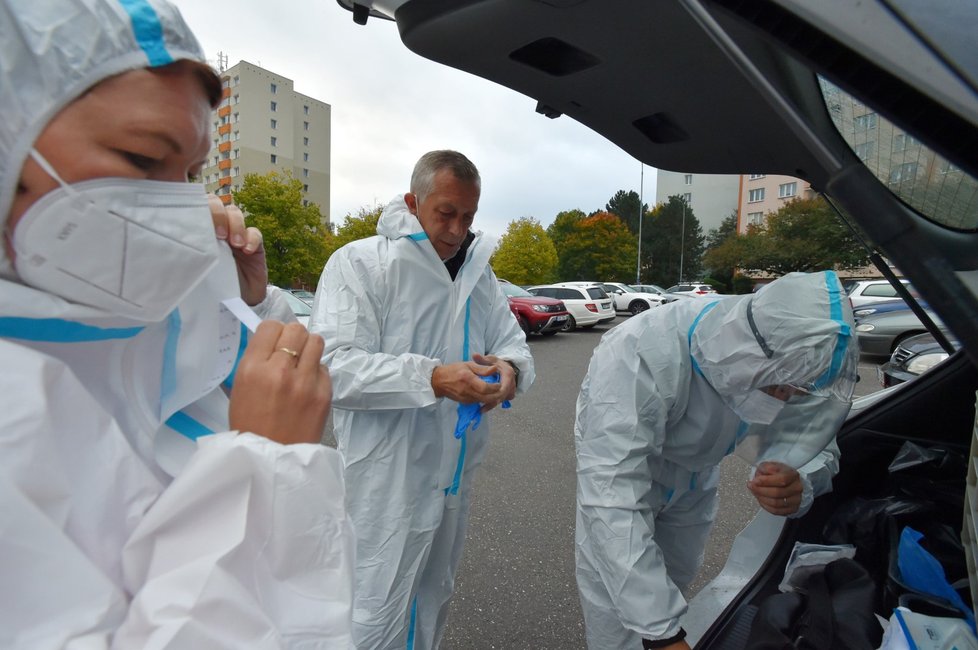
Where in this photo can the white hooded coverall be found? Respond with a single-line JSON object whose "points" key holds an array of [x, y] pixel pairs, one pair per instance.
{"points": [[390, 313], [130, 517], [652, 427]]}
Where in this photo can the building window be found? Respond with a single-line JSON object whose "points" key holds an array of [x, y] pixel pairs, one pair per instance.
{"points": [[235, 120], [305, 202], [236, 98], [305, 110], [305, 173], [864, 122], [753, 196], [902, 141], [274, 89], [235, 171], [305, 188], [273, 106], [305, 157], [274, 159], [755, 218], [274, 124], [274, 141], [216, 159], [786, 190], [235, 153], [903, 173], [305, 142], [754, 177], [688, 198], [689, 179], [864, 150], [305, 126], [236, 136], [236, 81]]}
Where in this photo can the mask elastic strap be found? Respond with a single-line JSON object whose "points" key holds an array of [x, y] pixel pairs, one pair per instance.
{"points": [[46, 166]]}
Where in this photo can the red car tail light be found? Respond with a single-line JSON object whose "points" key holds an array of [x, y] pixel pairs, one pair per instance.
{"points": [[591, 307]]}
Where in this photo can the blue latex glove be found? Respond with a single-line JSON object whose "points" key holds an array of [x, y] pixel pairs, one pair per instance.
{"points": [[472, 413], [921, 571]]}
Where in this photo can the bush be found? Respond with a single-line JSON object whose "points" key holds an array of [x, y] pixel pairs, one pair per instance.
{"points": [[721, 287], [742, 284]]}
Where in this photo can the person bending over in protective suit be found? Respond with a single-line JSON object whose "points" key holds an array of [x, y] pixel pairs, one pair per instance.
{"points": [[143, 507], [667, 396], [415, 322]]}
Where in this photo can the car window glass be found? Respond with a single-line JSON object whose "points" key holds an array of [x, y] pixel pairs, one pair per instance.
{"points": [[568, 294], [878, 290], [919, 177], [597, 293]]}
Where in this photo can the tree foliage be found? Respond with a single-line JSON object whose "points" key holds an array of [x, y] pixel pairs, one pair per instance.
{"points": [[360, 226], [599, 247], [716, 237], [804, 235], [626, 206], [525, 255], [296, 239], [675, 244]]}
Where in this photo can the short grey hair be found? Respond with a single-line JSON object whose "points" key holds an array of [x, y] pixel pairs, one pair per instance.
{"points": [[423, 177]]}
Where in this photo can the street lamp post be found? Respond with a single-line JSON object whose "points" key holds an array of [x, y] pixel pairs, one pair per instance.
{"points": [[682, 242], [638, 262]]}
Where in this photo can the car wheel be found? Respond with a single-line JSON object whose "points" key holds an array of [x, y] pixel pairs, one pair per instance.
{"points": [[524, 326], [569, 325], [637, 307]]}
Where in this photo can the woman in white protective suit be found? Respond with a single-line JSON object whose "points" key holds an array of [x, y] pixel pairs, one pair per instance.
{"points": [[141, 506], [667, 396]]}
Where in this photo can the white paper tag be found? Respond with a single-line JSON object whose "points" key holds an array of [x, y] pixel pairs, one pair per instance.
{"points": [[243, 312]]}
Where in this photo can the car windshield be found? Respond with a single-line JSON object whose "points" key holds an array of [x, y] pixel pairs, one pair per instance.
{"points": [[299, 307], [925, 181], [627, 288], [514, 291]]}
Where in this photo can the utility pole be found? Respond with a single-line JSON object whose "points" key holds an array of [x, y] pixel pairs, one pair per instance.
{"points": [[641, 191], [682, 241]]}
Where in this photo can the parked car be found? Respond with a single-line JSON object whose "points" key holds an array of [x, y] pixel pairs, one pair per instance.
{"points": [[303, 295], [883, 307], [535, 314], [587, 304], [629, 299], [300, 308], [868, 292], [872, 102], [659, 291], [695, 290], [913, 357], [880, 334]]}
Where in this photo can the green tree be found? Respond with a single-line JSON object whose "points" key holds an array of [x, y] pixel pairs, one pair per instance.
{"points": [[625, 205], [296, 239], [525, 254], [360, 226], [563, 225], [600, 247], [716, 237], [675, 243], [804, 235]]}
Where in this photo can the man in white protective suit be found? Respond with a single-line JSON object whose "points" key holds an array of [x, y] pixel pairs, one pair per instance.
{"points": [[667, 396], [142, 507], [417, 334]]}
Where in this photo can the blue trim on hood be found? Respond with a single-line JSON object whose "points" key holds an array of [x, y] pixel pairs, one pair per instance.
{"points": [[689, 335], [168, 378], [58, 330], [148, 31], [833, 286], [418, 236], [187, 426]]}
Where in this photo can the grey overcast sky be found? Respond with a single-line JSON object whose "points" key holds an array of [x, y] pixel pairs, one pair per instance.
{"points": [[389, 106]]}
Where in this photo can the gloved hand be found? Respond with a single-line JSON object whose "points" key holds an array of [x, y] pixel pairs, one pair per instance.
{"points": [[472, 413]]}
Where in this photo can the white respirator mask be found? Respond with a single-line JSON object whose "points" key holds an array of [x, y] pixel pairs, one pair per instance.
{"points": [[758, 407], [134, 248]]}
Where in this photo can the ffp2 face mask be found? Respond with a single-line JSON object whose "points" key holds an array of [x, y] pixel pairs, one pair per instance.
{"points": [[131, 247]]}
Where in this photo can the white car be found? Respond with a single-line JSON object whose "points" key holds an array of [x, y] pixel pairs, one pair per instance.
{"points": [[630, 299], [866, 292], [693, 289], [587, 303], [300, 308]]}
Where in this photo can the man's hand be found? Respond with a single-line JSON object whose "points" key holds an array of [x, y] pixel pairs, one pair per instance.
{"points": [[247, 246], [462, 383], [507, 376], [777, 488], [280, 390]]}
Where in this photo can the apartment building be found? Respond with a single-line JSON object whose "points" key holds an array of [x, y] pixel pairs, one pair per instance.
{"points": [[712, 197], [264, 125], [761, 194]]}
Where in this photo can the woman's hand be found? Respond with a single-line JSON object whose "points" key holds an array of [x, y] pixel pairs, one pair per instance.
{"points": [[247, 246], [777, 488], [280, 390]]}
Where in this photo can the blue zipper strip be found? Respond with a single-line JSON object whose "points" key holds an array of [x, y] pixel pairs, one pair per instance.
{"points": [[58, 330], [414, 614], [457, 479], [168, 379], [689, 335], [187, 426], [148, 31], [242, 344], [845, 333]]}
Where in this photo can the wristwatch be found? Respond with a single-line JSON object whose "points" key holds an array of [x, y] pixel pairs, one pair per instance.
{"points": [[516, 369]]}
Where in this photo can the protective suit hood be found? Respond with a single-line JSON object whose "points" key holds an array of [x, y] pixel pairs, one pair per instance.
{"points": [[398, 221], [53, 55]]}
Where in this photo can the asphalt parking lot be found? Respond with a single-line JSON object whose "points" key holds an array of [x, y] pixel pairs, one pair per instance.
{"points": [[516, 586]]}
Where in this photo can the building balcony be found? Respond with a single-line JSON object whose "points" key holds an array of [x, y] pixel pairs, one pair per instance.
{"points": [[224, 129], [224, 181], [224, 164], [224, 111], [224, 147]]}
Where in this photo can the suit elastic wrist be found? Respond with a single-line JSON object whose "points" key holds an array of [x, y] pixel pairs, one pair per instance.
{"points": [[649, 644]]}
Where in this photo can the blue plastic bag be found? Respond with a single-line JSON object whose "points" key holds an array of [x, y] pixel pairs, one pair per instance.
{"points": [[922, 572]]}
